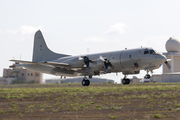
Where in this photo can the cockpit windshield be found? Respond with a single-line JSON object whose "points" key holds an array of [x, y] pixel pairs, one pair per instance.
{"points": [[149, 51], [152, 51]]}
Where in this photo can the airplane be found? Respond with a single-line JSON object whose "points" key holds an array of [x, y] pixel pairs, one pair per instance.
{"points": [[128, 61]]}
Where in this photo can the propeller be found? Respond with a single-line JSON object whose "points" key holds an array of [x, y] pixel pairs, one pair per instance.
{"points": [[86, 62], [80, 58], [167, 64], [107, 63]]}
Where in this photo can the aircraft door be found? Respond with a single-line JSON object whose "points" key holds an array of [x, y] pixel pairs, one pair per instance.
{"points": [[139, 54], [135, 59], [127, 60]]}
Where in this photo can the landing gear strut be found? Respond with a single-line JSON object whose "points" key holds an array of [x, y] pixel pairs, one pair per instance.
{"points": [[85, 82], [125, 80]]}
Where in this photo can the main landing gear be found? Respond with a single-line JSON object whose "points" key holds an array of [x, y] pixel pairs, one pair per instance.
{"points": [[85, 82], [125, 80]]}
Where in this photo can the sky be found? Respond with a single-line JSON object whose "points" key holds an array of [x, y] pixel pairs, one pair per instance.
{"points": [[79, 27]]}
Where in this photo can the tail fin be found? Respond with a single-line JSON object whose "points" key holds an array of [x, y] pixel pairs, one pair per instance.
{"points": [[41, 52]]}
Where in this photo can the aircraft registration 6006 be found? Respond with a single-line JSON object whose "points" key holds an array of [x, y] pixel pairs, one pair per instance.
{"points": [[126, 61]]}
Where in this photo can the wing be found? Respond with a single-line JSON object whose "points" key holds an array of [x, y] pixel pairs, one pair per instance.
{"points": [[55, 64]]}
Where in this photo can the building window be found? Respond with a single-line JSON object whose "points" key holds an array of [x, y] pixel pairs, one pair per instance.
{"points": [[37, 74], [22, 74]]}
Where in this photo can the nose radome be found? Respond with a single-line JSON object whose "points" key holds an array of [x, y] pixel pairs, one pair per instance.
{"points": [[162, 58]]}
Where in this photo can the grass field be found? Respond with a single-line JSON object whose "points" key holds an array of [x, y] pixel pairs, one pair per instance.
{"points": [[97, 102]]}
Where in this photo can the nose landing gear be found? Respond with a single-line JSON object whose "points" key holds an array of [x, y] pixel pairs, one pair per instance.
{"points": [[147, 76]]}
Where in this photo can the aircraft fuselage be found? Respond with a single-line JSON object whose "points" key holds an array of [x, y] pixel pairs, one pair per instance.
{"points": [[126, 61]]}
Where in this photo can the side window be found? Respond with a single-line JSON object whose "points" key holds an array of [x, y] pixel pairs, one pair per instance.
{"points": [[37, 74]]}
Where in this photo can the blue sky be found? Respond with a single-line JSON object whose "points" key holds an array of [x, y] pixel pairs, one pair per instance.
{"points": [[73, 26]]}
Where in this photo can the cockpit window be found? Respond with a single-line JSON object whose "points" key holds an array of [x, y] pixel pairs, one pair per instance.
{"points": [[146, 51], [151, 51]]}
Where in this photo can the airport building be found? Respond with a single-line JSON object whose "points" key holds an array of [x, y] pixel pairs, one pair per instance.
{"points": [[20, 74], [173, 54]]}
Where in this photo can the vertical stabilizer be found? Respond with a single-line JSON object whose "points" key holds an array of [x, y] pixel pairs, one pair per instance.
{"points": [[41, 52]]}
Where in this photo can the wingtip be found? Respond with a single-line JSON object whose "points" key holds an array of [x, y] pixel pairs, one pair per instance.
{"points": [[11, 60]]}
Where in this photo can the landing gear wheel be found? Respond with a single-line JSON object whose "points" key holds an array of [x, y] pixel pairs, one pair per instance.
{"points": [[85, 82], [125, 81], [147, 76]]}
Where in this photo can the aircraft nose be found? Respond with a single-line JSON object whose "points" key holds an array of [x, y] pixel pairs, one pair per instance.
{"points": [[162, 58]]}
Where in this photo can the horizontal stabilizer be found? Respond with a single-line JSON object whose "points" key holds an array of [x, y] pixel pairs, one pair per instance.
{"points": [[24, 62]]}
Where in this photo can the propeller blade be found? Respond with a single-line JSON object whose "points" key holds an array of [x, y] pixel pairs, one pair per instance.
{"points": [[80, 58], [111, 65], [168, 60], [107, 64], [167, 64], [86, 62], [101, 58]]}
